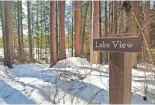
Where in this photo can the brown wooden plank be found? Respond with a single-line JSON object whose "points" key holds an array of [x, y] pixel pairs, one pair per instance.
{"points": [[120, 78], [118, 44]]}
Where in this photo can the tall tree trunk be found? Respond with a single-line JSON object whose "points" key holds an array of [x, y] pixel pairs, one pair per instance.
{"points": [[3, 32], [57, 32], [19, 32], [77, 28], [109, 17], [46, 38], [106, 30], [114, 19], [41, 43], [62, 30], [21, 23], [112, 16], [37, 39], [146, 19], [72, 31], [29, 32], [8, 31], [100, 30], [91, 31], [83, 29], [53, 55], [33, 40], [134, 31], [95, 55], [15, 48]]}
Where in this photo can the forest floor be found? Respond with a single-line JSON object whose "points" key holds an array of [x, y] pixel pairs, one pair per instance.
{"points": [[70, 81]]}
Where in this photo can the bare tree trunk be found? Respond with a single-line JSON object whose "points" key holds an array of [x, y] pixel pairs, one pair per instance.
{"points": [[29, 32], [146, 19], [106, 31], [91, 32], [3, 32], [72, 31], [114, 18], [19, 32], [109, 16], [100, 31], [134, 32], [95, 30], [41, 43], [57, 32], [21, 40], [37, 39], [77, 28], [62, 30], [8, 31], [83, 29], [46, 38], [53, 58], [33, 40]]}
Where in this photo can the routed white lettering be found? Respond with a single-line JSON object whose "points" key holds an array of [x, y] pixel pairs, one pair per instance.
{"points": [[115, 43]]}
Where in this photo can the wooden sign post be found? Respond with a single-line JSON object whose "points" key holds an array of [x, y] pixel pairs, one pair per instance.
{"points": [[120, 65]]}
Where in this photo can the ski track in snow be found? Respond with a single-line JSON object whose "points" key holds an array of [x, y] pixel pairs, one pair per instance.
{"points": [[64, 83]]}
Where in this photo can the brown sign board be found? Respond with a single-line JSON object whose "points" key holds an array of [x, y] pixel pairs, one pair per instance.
{"points": [[118, 44]]}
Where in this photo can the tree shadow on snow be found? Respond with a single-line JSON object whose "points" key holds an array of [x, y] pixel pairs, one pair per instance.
{"points": [[152, 82], [82, 90], [77, 88], [9, 95], [145, 69]]}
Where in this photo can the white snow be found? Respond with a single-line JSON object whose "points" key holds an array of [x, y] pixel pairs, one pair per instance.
{"points": [[70, 81]]}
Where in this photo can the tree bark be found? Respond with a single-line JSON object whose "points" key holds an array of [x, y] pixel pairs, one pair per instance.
{"points": [[146, 19], [57, 32], [95, 55], [19, 33], [62, 30], [37, 38], [72, 31], [83, 29], [41, 25], [77, 28], [106, 31], [21, 40], [29, 32], [134, 31], [100, 31], [3, 32], [8, 31], [53, 55]]}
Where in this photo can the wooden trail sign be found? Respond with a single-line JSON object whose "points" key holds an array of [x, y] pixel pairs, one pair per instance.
{"points": [[120, 65], [118, 44]]}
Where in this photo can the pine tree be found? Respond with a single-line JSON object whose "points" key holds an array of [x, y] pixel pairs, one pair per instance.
{"points": [[77, 25], [62, 30], [8, 31], [29, 32], [53, 57]]}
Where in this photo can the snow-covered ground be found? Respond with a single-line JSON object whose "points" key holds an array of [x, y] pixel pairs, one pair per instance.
{"points": [[70, 81]]}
